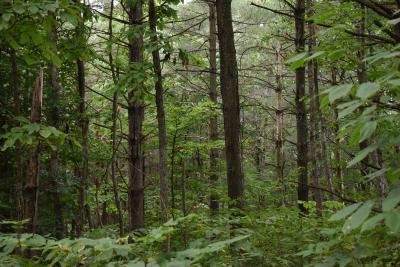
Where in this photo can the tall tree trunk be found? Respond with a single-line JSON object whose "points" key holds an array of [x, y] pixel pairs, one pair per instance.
{"points": [[279, 121], [336, 149], [135, 121], [114, 131], [362, 78], [213, 124], [230, 103], [54, 157], [301, 113], [19, 198], [162, 130], [315, 154], [32, 184], [84, 168]]}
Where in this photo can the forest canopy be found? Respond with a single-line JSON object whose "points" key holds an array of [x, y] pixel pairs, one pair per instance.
{"points": [[199, 133]]}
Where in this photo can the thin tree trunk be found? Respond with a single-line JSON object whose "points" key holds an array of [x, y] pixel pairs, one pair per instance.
{"points": [[162, 130], [172, 178], [213, 127], [230, 102], [315, 154], [54, 157], [114, 132], [336, 150], [84, 123], [279, 121], [32, 184], [135, 121], [301, 113], [18, 160]]}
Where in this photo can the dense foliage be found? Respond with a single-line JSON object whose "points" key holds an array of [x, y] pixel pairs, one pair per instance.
{"points": [[117, 146]]}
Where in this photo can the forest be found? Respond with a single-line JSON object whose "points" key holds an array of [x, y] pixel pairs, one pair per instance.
{"points": [[199, 133]]}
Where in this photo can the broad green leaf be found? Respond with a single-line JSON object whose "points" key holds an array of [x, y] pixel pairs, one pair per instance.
{"points": [[391, 200], [358, 217], [362, 154], [372, 222], [367, 90], [339, 91], [394, 21], [297, 61], [367, 130], [350, 108], [395, 82], [343, 213], [392, 220], [45, 133], [315, 55]]}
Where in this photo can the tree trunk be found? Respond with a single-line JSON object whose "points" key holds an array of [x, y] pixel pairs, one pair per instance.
{"points": [[54, 157], [114, 132], [279, 121], [135, 121], [336, 149], [315, 154], [32, 183], [162, 131], [19, 198], [301, 113], [230, 103], [213, 126]]}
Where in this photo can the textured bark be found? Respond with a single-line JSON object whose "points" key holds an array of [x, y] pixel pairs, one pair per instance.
{"points": [[135, 121], [84, 168], [279, 121], [213, 124], [162, 130], [301, 113], [19, 198], [230, 103], [32, 177], [114, 133], [336, 150], [54, 157], [362, 76], [315, 152]]}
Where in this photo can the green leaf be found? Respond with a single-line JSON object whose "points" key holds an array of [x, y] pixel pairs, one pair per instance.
{"points": [[343, 213], [372, 222], [357, 218], [339, 91], [348, 108], [392, 220], [367, 130], [395, 82], [45, 133], [391, 200], [367, 90], [33, 9], [297, 60], [361, 155], [315, 55], [6, 16], [18, 8]]}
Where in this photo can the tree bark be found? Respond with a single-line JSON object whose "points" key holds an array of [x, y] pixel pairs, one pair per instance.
{"points": [[230, 103], [213, 124], [279, 121], [32, 184], [18, 160], [84, 168], [162, 130], [54, 157], [315, 154], [135, 121], [301, 112], [114, 132]]}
